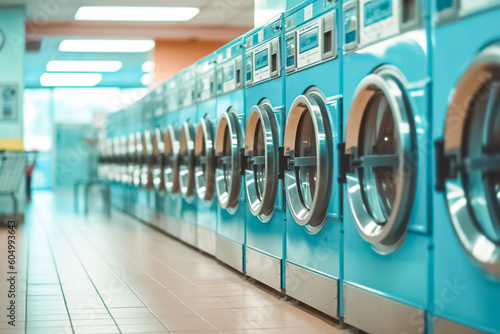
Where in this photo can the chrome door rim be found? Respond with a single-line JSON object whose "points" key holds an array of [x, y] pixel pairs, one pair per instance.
{"points": [[171, 169], [124, 156], [186, 166], [314, 216], [205, 180], [139, 149], [262, 205], [386, 236], [463, 214], [228, 191], [158, 181], [148, 152], [132, 155]]}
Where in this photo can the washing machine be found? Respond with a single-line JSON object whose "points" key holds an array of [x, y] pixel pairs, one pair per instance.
{"points": [[159, 122], [146, 177], [466, 101], [314, 240], [137, 193], [204, 151], [228, 145], [187, 127], [265, 117], [172, 200], [385, 165]]}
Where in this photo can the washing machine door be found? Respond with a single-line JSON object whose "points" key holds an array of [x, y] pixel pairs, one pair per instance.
{"points": [[187, 161], [117, 157], [228, 142], [111, 157], [205, 160], [132, 158], [158, 180], [171, 168], [472, 146], [308, 150], [261, 150], [381, 138], [148, 154], [139, 149]]}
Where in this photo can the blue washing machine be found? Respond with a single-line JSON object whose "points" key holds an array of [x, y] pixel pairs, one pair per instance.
{"points": [[466, 101], [146, 179], [265, 117], [386, 165], [172, 200], [314, 239], [159, 104], [187, 125], [228, 145], [205, 154]]}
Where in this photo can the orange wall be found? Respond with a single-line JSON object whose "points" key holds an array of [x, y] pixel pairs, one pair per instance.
{"points": [[170, 56]]}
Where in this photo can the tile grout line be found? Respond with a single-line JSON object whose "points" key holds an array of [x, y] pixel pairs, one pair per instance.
{"points": [[57, 272], [184, 277], [88, 276], [121, 277]]}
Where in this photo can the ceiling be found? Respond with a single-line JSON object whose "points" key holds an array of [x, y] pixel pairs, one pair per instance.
{"points": [[52, 21]]}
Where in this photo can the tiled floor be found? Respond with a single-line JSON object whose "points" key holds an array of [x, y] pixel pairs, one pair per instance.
{"points": [[98, 275]]}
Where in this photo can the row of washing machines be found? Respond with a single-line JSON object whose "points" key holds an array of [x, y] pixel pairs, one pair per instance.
{"points": [[346, 154]]}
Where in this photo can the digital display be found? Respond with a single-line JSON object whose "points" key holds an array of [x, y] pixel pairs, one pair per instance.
{"points": [[309, 40], [261, 59], [377, 10], [350, 25], [444, 4], [228, 73]]}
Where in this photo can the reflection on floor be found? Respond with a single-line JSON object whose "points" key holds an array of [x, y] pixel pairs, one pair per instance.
{"points": [[99, 275]]}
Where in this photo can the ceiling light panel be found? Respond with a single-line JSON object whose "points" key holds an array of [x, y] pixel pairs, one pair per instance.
{"points": [[70, 79], [106, 45], [83, 66], [119, 13]]}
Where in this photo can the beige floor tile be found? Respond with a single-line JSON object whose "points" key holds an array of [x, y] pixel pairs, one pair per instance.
{"points": [[48, 323], [96, 330], [143, 328], [186, 324]]}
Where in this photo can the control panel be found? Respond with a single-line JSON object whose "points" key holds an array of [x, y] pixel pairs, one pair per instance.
{"points": [[263, 62], [311, 43], [369, 21], [206, 81]]}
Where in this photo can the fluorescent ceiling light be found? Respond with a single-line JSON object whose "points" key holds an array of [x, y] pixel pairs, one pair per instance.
{"points": [[148, 66], [70, 79], [147, 79], [120, 13], [106, 45], [83, 66]]}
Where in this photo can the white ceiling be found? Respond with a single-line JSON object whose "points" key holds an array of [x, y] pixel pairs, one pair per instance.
{"points": [[217, 20]]}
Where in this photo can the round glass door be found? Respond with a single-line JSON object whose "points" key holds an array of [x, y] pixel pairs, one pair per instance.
{"points": [[148, 153], [227, 149], [381, 137], [261, 149], [159, 151], [171, 168], [117, 159], [132, 158], [139, 151], [123, 159], [308, 148], [205, 161], [111, 159], [186, 170], [472, 142]]}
